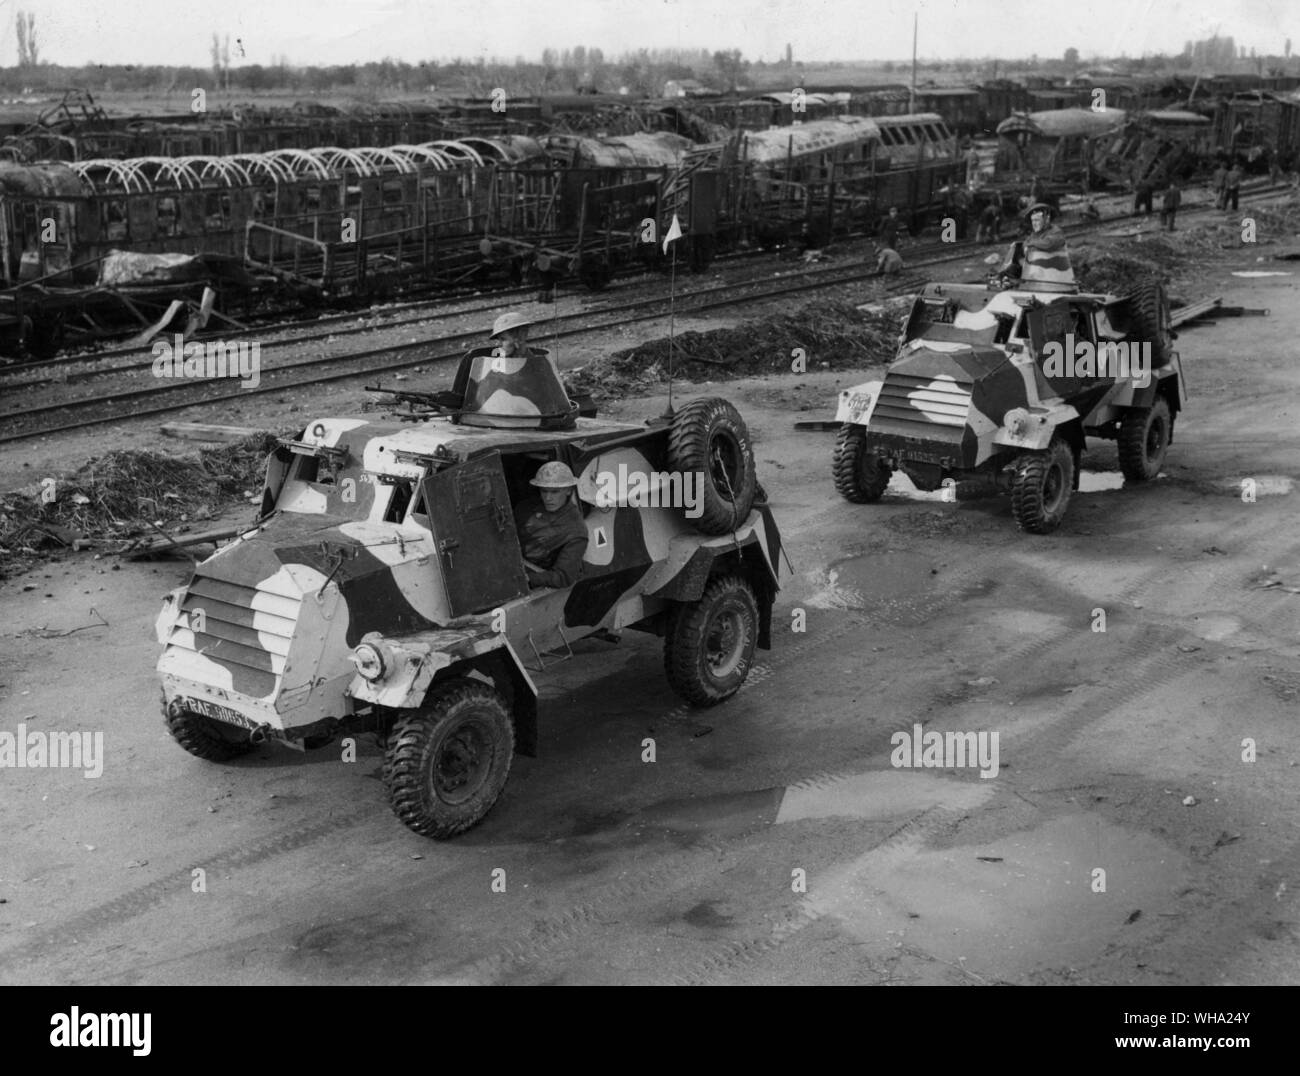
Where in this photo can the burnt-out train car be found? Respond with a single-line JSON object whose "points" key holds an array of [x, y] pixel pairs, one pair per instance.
{"points": [[582, 209], [1257, 127], [91, 245], [1053, 148], [839, 175], [1153, 147]]}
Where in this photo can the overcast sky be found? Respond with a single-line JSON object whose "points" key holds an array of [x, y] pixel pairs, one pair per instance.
{"points": [[348, 31]]}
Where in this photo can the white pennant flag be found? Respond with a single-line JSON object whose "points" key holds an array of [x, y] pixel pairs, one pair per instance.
{"points": [[674, 232]]}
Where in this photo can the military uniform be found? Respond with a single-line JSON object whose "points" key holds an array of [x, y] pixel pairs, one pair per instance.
{"points": [[1047, 260], [554, 541]]}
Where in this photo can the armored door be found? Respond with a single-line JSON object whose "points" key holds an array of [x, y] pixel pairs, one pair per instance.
{"points": [[1057, 354], [474, 535]]}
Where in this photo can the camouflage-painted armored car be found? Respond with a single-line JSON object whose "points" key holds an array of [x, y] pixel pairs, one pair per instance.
{"points": [[383, 589], [999, 389]]}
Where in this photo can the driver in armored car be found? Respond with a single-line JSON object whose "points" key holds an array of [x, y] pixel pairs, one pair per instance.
{"points": [[552, 535]]}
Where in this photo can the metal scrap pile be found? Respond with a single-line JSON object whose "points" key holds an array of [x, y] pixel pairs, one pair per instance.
{"points": [[829, 335], [125, 493]]}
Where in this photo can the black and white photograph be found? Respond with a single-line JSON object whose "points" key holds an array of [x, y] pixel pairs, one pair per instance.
{"points": [[651, 493]]}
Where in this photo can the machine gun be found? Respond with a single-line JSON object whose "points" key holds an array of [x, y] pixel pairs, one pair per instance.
{"points": [[429, 403]]}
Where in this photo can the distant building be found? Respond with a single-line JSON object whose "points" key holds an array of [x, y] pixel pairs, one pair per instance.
{"points": [[685, 87]]}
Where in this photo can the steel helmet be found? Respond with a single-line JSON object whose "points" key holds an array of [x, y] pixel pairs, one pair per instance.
{"points": [[553, 475], [1037, 206], [506, 322]]}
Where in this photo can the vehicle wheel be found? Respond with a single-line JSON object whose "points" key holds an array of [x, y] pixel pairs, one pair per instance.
{"points": [[1148, 308], [709, 645], [1041, 488], [1144, 435], [445, 766], [204, 737], [710, 438], [860, 477]]}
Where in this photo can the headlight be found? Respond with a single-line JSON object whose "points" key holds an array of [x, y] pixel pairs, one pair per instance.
{"points": [[1016, 422], [369, 660]]}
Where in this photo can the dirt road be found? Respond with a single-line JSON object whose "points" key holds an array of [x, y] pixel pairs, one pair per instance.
{"points": [[1142, 826]]}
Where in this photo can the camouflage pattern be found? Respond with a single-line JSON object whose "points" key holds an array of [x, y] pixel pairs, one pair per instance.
{"points": [[969, 393], [263, 635], [520, 391]]}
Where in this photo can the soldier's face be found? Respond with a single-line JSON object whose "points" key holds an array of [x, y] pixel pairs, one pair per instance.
{"points": [[553, 499], [1038, 221], [514, 342]]}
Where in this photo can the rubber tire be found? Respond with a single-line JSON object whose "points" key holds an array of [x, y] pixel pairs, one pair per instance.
{"points": [[859, 476], [691, 674], [692, 442], [1035, 512], [204, 737], [1135, 430], [1149, 316], [413, 748]]}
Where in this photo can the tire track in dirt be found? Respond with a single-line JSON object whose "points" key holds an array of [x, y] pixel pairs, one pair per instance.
{"points": [[558, 928]]}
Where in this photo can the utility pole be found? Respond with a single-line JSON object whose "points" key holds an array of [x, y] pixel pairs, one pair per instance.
{"points": [[911, 97]]}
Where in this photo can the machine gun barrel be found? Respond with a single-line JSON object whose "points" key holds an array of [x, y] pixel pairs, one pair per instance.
{"points": [[438, 401]]}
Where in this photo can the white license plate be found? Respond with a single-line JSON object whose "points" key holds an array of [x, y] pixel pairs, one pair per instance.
{"points": [[219, 713]]}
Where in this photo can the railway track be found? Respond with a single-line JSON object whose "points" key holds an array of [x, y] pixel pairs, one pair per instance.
{"points": [[24, 419]]}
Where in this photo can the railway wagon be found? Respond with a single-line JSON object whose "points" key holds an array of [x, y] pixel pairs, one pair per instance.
{"points": [[581, 207], [1257, 126], [92, 247], [841, 174], [1055, 147], [1153, 147]]}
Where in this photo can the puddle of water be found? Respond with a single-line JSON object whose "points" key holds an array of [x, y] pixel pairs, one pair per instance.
{"points": [[879, 795], [1099, 481], [853, 581], [1266, 485], [1032, 907], [902, 486]]}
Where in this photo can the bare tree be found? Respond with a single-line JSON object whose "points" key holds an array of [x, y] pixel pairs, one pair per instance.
{"points": [[28, 51]]}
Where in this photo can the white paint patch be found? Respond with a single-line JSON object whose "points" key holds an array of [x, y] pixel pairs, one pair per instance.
{"points": [[1259, 272]]}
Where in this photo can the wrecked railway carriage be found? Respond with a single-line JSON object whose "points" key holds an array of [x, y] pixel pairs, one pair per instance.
{"points": [[293, 225]]}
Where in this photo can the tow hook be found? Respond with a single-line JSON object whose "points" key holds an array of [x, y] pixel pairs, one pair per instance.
{"points": [[258, 735]]}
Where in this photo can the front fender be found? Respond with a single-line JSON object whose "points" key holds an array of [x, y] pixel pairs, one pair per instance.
{"points": [[413, 662]]}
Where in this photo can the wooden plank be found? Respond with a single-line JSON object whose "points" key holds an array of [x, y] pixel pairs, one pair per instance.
{"points": [[204, 431], [1192, 311]]}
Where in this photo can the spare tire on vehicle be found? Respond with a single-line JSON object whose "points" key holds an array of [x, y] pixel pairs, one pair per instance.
{"points": [[1147, 314], [709, 437]]}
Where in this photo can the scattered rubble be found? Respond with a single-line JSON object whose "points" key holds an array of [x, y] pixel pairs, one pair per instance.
{"points": [[831, 335], [124, 493]]}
